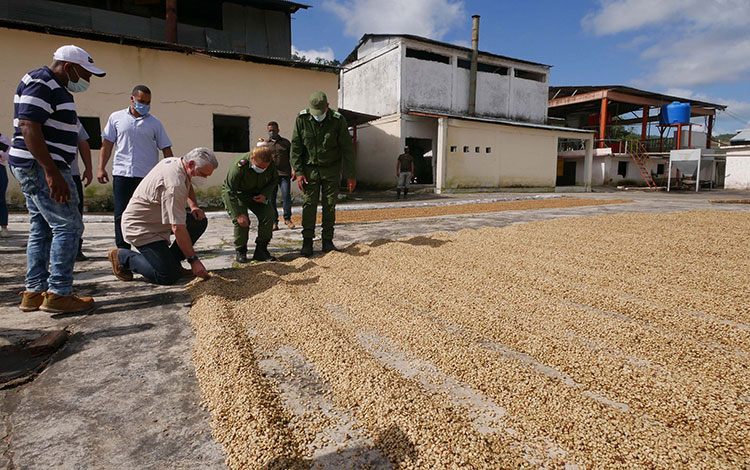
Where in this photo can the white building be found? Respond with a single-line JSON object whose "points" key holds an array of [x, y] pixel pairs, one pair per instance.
{"points": [[420, 90]]}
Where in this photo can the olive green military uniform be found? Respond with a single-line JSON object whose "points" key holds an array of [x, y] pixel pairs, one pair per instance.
{"points": [[318, 151], [240, 186]]}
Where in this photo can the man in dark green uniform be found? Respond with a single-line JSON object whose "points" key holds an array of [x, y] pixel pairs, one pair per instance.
{"points": [[320, 144], [251, 180]]}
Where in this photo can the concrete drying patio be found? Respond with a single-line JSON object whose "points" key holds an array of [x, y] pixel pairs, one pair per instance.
{"points": [[122, 393]]}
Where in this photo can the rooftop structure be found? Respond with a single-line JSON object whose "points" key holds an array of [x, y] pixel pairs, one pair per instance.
{"points": [[261, 27], [396, 73]]}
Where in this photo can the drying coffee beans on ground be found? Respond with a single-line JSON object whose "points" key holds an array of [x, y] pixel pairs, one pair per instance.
{"points": [[613, 341]]}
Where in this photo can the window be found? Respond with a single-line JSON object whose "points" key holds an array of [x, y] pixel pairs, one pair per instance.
{"points": [[482, 67], [488, 150], [527, 75], [660, 169], [431, 56], [453, 148], [466, 149], [94, 130], [622, 168], [476, 149], [231, 133]]}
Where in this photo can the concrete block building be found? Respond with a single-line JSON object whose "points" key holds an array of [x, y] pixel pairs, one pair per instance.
{"points": [[420, 89]]}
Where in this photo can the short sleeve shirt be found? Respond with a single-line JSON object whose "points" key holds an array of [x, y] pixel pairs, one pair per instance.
{"points": [[137, 142], [405, 160], [158, 202], [41, 98]]}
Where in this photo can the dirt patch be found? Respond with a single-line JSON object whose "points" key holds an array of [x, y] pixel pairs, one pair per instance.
{"points": [[374, 215], [608, 341]]}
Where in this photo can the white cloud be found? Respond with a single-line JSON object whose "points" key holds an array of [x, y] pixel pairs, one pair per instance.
{"points": [[693, 42], [312, 54], [428, 18], [736, 116]]}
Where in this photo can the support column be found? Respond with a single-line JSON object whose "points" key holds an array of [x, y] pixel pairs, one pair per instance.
{"points": [[644, 124], [442, 154], [603, 123], [710, 130], [588, 163], [171, 27]]}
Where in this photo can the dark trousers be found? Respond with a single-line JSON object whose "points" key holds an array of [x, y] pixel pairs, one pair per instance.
{"points": [[123, 189], [3, 204], [286, 198], [79, 189], [158, 262]]}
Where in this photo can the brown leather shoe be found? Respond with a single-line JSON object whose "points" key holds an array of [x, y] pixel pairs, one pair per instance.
{"points": [[117, 269], [30, 301], [54, 303], [289, 224]]}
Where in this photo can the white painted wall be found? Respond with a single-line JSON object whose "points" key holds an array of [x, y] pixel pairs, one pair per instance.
{"points": [[379, 144], [519, 157], [383, 82], [371, 85], [737, 175]]}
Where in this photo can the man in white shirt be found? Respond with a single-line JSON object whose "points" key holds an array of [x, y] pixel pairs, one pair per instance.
{"points": [[136, 136]]}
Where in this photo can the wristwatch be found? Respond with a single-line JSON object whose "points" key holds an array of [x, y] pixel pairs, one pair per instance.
{"points": [[192, 259]]}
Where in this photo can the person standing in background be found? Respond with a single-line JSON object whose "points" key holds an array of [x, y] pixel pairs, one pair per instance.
{"points": [[404, 172], [85, 151], [280, 148], [4, 147], [136, 137]]}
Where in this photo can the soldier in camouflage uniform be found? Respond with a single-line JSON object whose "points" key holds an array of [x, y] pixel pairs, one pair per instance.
{"points": [[320, 144], [251, 180]]}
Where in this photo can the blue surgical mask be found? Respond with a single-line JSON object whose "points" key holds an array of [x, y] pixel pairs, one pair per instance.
{"points": [[320, 118], [258, 169], [77, 86], [141, 108]]}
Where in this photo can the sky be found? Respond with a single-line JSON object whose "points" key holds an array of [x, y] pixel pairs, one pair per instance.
{"points": [[696, 49]]}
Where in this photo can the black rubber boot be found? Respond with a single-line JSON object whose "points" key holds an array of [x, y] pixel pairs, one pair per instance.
{"points": [[261, 252], [307, 247], [329, 246], [398, 193], [406, 191], [241, 257]]}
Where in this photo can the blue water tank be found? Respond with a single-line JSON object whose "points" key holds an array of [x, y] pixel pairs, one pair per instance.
{"points": [[675, 113]]}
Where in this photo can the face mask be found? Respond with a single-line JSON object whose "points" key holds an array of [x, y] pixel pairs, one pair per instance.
{"points": [[273, 134], [198, 181], [257, 169], [78, 86], [141, 108], [320, 118]]}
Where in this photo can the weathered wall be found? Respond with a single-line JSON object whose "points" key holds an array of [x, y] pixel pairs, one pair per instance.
{"points": [[427, 85], [529, 100], [187, 89], [379, 144], [737, 175], [519, 157], [372, 86]]}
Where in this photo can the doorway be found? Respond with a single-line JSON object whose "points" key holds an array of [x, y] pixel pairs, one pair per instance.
{"points": [[422, 164], [568, 176]]}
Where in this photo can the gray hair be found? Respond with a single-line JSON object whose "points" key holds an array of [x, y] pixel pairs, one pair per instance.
{"points": [[202, 157]]}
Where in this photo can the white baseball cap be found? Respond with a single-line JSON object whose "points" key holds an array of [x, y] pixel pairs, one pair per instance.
{"points": [[76, 55]]}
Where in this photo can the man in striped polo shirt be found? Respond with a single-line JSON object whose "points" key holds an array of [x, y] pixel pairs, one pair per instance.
{"points": [[44, 145]]}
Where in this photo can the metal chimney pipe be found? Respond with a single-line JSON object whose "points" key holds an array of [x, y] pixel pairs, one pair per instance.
{"points": [[171, 28], [473, 71]]}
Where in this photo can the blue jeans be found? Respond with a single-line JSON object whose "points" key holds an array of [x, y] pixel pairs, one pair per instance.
{"points": [[123, 188], [79, 189], [286, 198], [53, 235], [157, 261], [3, 188]]}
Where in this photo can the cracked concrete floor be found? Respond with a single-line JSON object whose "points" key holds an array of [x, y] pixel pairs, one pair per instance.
{"points": [[122, 393]]}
